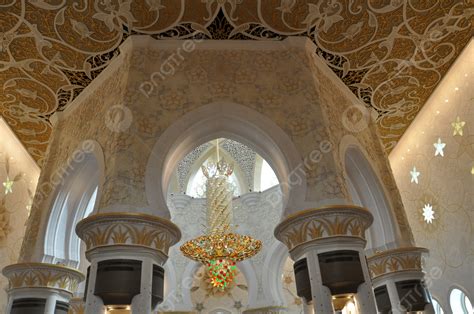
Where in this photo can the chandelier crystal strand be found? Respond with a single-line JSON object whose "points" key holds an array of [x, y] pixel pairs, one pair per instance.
{"points": [[221, 248], [219, 204]]}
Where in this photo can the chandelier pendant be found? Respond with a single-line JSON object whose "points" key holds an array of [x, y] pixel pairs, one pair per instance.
{"points": [[220, 248]]}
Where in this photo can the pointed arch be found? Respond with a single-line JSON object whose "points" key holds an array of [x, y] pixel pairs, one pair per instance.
{"points": [[223, 120], [75, 198], [366, 190]]}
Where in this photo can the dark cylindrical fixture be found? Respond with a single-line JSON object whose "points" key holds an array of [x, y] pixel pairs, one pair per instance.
{"points": [[303, 284], [118, 281], [28, 306]]}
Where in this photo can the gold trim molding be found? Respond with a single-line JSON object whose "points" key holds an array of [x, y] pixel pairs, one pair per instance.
{"points": [[39, 275], [319, 223], [267, 310], [131, 229], [396, 260]]}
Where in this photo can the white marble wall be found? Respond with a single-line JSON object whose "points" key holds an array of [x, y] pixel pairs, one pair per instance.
{"points": [[445, 181], [18, 178]]}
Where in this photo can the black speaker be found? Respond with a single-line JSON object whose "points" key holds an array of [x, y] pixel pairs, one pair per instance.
{"points": [[158, 284], [413, 295], [303, 284], [341, 271], [28, 306], [118, 281], [61, 308], [383, 300]]}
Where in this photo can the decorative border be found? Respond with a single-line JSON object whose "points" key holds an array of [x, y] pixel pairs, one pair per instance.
{"points": [[267, 310], [134, 229], [391, 261], [331, 221], [39, 275]]}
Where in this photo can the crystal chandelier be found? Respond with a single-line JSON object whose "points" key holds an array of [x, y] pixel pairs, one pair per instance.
{"points": [[220, 248]]}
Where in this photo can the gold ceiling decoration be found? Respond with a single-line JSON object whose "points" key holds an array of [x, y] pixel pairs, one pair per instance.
{"points": [[391, 54]]}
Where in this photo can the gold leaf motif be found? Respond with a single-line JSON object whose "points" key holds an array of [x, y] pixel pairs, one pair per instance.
{"points": [[119, 236], [393, 264], [377, 268]]}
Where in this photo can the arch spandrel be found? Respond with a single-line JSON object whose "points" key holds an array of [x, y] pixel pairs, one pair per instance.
{"points": [[240, 79]]}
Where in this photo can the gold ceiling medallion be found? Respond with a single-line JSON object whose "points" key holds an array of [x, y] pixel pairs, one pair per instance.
{"points": [[220, 248]]}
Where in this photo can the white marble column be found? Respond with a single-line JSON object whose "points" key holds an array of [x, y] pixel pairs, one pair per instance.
{"points": [[365, 293], [396, 265], [26, 280], [141, 304], [50, 304], [130, 236], [322, 299], [394, 298], [316, 231], [94, 304]]}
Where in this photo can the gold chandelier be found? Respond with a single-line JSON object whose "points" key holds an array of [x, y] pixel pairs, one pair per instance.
{"points": [[220, 248]]}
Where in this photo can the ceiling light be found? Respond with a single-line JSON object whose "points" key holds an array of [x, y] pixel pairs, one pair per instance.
{"points": [[220, 248]]}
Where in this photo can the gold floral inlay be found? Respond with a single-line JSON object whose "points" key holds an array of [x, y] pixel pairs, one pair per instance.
{"points": [[403, 259], [331, 221], [39, 275], [128, 229]]}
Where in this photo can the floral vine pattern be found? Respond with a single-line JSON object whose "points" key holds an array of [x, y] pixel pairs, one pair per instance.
{"points": [[391, 54], [39, 275], [408, 259], [117, 229], [322, 223]]}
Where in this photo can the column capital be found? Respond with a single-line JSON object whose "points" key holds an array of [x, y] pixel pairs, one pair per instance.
{"points": [[406, 259], [128, 229], [322, 223], [44, 276]]}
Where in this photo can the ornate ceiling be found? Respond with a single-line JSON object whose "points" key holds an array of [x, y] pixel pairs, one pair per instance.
{"points": [[390, 53]]}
